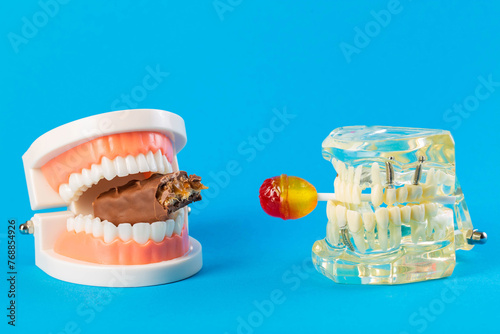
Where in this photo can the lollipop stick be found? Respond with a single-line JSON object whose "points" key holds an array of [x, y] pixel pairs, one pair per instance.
{"points": [[367, 198]]}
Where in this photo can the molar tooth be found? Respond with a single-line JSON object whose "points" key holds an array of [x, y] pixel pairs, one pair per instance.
{"points": [[401, 194], [431, 210], [88, 224], [377, 195], [87, 178], [97, 228], [170, 227], [70, 224], [158, 230], [108, 169], [418, 212], [429, 191], [382, 217], [75, 182], [414, 192], [120, 166], [151, 162], [390, 196], [406, 214], [132, 166], [96, 173], [142, 163], [141, 232], [376, 174], [341, 213], [110, 231], [65, 192], [159, 162], [125, 231]]}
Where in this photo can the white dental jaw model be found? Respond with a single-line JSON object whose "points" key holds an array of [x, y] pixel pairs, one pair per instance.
{"points": [[73, 164], [398, 213]]}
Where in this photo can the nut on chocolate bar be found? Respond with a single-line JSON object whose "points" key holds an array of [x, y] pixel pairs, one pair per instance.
{"points": [[149, 200]]}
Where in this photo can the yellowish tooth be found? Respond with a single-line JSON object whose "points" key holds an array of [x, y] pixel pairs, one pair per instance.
{"points": [[341, 213], [401, 194], [414, 192], [405, 214], [354, 221], [356, 194], [377, 195], [390, 196]]}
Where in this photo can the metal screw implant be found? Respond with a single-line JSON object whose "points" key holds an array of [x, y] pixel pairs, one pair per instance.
{"points": [[389, 173], [346, 238], [27, 228], [418, 170], [475, 237]]}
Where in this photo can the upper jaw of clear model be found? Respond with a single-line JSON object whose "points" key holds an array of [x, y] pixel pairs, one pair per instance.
{"points": [[390, 187]]}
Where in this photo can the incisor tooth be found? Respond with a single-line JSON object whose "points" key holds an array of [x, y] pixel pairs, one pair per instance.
{"points": [[354, 221], [70, 224], [97, 228], [168, 166], [377, 195], [151, 162], [110, 231], [341, 212], [170, 227], [141, 232], [79, 224], [369, 221], [131, 165], [142, 163], [120, 166], [96, 173], [88, 224], [382, 217], [108, 169], [376, 174], [125, 231], [330, 211], [158, 230], [159, 162]]}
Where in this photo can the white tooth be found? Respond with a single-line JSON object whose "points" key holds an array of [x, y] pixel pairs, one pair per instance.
{"points": [[141, 232], [132, 167], [125, 231], [110, 231], [158, 230], [356, 194], [347, 192], [401, 194], [382, 217], [339, 189], [430, 177], [429, 191], [79, 224], [330, 211], [377, 195], [159, 162], [168, 166], [333, 233], [70, 224], [376, 174], [75, 182], [65, 192], [390, 196], [341, 213], [369, 221], [108, 169], [431, 210], [151, 162], [87, 178], [350, 174], [354, 221], [179, 222], [357, 175], [418, 213], [170, 227], [120, 166], [88, 224], [405, 214], [96, 173], [395, 215], [142, 163], [97, 228], [414, 192], [359, 241]]}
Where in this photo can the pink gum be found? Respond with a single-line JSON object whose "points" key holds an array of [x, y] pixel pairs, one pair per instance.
{"points": [[85, 247]]}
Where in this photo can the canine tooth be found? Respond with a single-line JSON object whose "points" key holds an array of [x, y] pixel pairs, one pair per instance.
{"points": [[65, 192], [131, 164], [158, 230], [120, 166], [377, 195], [179, 222], [75, 182], [405, 214], [414, 192], [170, 227], [88, 224], [354, 221], [141, 232], [142, 163], [376, 174], [110, 231], [96, 173], [401, 194], [390, 196], [97, 228], [87, 178], [356, 194], [108, 169], [382, 217], [168, 166], [79, 224], [159, 162], [151, 162], [431, 210], [70, 224], [341, 212], [125, 231]]}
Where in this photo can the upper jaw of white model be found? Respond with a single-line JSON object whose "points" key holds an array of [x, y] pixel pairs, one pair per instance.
{"points": [[393, 188], [72, 165]]}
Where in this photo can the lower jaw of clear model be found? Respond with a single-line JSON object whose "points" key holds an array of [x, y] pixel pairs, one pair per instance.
{"points": [[395, 212]]}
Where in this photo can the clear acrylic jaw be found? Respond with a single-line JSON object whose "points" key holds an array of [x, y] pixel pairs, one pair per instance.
{"points": [[399, 213]]}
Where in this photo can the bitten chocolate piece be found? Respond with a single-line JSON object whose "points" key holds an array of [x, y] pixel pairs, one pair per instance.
{"points": [[149, 200]]}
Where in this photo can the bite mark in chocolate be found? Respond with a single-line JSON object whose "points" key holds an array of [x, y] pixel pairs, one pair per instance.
{"points": [[149, 200]]}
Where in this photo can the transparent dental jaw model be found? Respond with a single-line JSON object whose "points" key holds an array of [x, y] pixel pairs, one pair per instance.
{"points": [[398, 213]]}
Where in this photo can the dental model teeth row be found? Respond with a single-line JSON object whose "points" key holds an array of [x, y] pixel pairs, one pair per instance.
{"points": [[388, 221], [109, 169], [140, 232]]}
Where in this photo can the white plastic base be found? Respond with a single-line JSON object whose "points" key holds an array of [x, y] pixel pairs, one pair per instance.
{"points": [[80, 272]]}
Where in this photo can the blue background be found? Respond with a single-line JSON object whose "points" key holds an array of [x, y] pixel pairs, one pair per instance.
{"points": [[229, 68]]}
